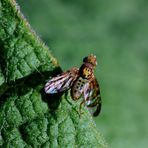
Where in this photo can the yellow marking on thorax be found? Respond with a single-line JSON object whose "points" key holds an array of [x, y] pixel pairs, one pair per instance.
{"points": [[86, 72]]}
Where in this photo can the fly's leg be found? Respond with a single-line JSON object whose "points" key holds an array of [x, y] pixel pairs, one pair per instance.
{"points": [[80, 107], [71, 104]]}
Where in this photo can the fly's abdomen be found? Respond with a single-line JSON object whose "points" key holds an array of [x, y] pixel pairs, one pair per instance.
{"points": [[78, 88]]}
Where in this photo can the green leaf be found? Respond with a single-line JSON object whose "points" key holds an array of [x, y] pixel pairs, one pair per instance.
{"points": [[28, 117]]}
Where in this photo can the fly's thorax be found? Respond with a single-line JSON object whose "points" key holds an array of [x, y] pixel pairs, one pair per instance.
{"points": [[78, 87], [86, 71]]}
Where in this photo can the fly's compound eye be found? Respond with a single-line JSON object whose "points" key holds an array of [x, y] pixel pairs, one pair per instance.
{"points": [[85, 59]]}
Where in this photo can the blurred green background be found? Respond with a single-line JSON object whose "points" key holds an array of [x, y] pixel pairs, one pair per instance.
{"points": [[117, 33]]}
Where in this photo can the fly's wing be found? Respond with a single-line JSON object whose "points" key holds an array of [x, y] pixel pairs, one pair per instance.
{"points": [[92, 97], [61, 82]]}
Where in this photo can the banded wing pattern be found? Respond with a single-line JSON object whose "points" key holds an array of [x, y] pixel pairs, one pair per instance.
{"points": [[61, 82], [92, 97]]}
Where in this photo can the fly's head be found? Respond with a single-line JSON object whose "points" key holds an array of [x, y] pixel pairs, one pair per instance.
{"points": [[91, 60]]}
